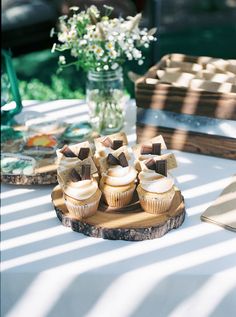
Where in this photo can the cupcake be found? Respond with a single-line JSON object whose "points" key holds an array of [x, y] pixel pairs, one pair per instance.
{"points": [[81, 192], [156, 187], [118, 182]]}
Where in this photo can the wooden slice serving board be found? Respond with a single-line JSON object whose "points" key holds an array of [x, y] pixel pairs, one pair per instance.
{"points": [[129, 223], [45, 175]]}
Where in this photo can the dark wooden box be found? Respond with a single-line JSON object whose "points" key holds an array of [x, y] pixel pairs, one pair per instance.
{"points": [[154, 96]]}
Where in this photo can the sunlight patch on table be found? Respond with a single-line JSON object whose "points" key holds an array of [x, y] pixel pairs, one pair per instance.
{"points": [[226, 280], [15, 192], [40, 235], [26, 204], [27, 221]]}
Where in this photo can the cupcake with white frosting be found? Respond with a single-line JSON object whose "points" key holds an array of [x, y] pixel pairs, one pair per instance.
{"points": [[118, 182], [156, 187], [81, 192]]}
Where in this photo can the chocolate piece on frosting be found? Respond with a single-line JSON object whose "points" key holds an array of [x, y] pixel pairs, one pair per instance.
{"points": [[74, 175], [83, 153], [107, 142], [146, 149], [112, 160], [151, 164], [117, 144], [161, 167], [156, 148], [86, 171], [123, 160], [66, 151]]}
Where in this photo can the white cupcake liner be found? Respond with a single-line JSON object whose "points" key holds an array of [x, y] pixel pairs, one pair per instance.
{"points": [[118, 199], [82, 211], [156, 205]]}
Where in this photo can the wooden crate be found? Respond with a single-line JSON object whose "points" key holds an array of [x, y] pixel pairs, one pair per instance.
{"points": [[156, 95]]}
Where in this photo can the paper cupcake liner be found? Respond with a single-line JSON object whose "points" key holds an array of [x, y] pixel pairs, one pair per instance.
{"points": [[118, 199], [156, 204], [80, 210]]}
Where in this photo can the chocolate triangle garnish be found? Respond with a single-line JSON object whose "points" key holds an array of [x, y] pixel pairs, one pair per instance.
{"points": [[123, 160], [107, 142], [74, 176], [146, 149], [161, 167], [66, 151], [83, 153], [117, 144], [86, 171], [156, 148], [151, 164], [112, 160]]}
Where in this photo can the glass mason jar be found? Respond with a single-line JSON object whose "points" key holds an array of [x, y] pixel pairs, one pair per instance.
{"points": [[105, 99]]}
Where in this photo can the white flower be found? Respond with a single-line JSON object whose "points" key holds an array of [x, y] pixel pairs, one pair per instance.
{"points": [[62, 59], [91, 27], [92, 47], [74, 52], [136, 53], [105, 23], [83, 42], [129, 56], [114, 66], [74, 8], [144, 38], [110, 37], [112, 54], [109, 46], [151, 38], [54, 47], [98, 51], [62, 37], [52, 32], [93, 38], [94, 10]]}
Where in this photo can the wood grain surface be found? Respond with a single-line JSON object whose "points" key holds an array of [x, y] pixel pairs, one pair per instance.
{"points": [[129, 223], [180, 99], [190, 141], [37, 179]]}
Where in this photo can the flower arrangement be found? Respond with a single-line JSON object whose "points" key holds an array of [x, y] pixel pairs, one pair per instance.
{"points": [[98, 42]]}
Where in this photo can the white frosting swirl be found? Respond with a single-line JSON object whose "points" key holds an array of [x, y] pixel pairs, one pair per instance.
{"points": [[81, 190], [154, 182], [119, 176]]}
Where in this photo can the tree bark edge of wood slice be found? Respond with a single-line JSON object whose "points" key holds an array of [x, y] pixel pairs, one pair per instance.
{"points": [[37, 179], [129, 226]]}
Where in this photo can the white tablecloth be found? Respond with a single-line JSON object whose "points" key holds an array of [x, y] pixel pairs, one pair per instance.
{"points": [[49, 270]]}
